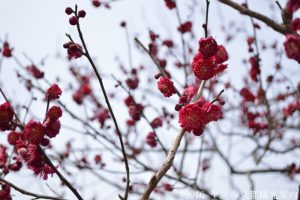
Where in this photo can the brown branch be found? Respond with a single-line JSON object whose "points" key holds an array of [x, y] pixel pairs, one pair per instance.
{"points": [[170, 157], [87, 55], [61, 177], [185, 64], [245, 11], [172, 152], [164, 168], [37, 196]]}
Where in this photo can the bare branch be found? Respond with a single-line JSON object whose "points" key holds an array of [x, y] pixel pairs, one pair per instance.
{"points": [[38, 196], [245, 11]]}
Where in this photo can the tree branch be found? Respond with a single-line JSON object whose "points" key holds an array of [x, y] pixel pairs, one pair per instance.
{"points": [[87, 55], [38, 196], [245, 11]]}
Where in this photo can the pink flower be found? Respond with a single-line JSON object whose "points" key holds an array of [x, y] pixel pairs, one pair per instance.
{"points": [[208, 61], [292, 46], [187, 95], [192, 118], [213, 112], [296, 24], [102, 115], [96, 3], [3, 157], [166, 87], [203, 68], [34, 132], [52, 127], [5, 192], [14, 136], [254, 70], [168, 187], [157, 122], [43, 171], [35, 72], [6, 50], [6, 116], [195, 116], [151, 139], [54, 113], [185, 27], [292, 6], [74, 50], [208, 46], [136, 111], [170, 4], [53, 92], [247, 95], [132, 83]]}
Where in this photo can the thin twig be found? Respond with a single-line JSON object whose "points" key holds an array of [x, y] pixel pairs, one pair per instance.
{"points": [[162, 71], [38, 196], [87, 55], [269, 22], [62, 178], [183, 45]]}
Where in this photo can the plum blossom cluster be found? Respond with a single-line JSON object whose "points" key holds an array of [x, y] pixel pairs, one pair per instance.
{"points": [[30, 137], [166, 87], [195, 116], [5, 192], [6, 50], [6, 116], [208, 61], [84, 88], [74, 50], [35, 71], [73, 20], [292, 42]]}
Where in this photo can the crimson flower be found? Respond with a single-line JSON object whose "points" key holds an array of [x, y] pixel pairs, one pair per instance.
{"points": [[292, 6], [292, 46], [53, 92], [209, 59], [136, 111], [35, 72], [195, 116], [34, 132], [192, 118], [54, 113], [296, 24], [157, 122], [208, 46], [6, 50], [170, 4], [151, 139], [74, 49], [52, 127], [6, 116], [166, 86], [185, 27]]}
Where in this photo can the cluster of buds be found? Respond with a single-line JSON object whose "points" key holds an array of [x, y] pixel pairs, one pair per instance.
{"points": [[6, 50], [31, 136], [73, 20], [209, 59]]}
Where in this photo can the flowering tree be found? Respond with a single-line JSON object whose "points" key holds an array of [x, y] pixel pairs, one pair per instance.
{"points": [[167, 141]]}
